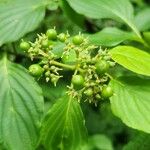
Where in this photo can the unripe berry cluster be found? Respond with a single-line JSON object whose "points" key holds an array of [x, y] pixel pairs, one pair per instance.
{"points": [[89, 63]]}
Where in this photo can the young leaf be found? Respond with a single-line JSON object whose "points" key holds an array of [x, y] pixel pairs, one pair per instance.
{"points": [[132, 58], [141, 141], [63, 127], [21, 107], [131, 101], [142, 20], [17, 17], [111, 36], [120, 10], [71, 14]]}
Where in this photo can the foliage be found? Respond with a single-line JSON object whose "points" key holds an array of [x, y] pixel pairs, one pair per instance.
{"points": [[74, 74]]}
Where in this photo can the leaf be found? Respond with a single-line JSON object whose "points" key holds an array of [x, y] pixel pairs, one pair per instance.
{"points": [[21, 107], [142, 142], [18, 17], [132, 58], [146, 37], [142, 20], [98, 142], [120, 10], [52, 5], [111, 36], [131, 101], [69, 12], [63, 127], [53, 93]]}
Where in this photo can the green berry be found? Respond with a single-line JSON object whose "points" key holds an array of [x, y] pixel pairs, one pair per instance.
{"points": [[102, 66], [78, 81], [24, 45], [70, 58], [62, 37], [88, 92], [45, 43], [51, 34], [44, 61], [46, 67], [78, 39], [36, 70], [54, 80], [47, 74], [97, 96], [106, 92]]}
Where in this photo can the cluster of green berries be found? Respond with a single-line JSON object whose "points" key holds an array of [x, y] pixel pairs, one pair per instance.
{"points": [[92, 84], [90, 78]]}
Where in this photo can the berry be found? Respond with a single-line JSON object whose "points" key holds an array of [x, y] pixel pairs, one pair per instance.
{"points": [[47, 74], [106, 92], [62, 37], [24, 45], [97, 96], [45, 43], [70, 58], [36, 70], [54, 80], [77, 40], [78, 81], [88, 92], [52, 34], [102, 66]]}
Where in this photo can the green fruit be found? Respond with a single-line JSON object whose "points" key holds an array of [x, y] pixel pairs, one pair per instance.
{"points": [[78, 39], [46, 67], [36, 70], [78, 81], [44, 61], [97, 96], [106, 92], [88, 92], [102, 66], [24, 45], [47, 74], [54, 79], [51, 34], [70, 58], [45, 43], [62, 37]]}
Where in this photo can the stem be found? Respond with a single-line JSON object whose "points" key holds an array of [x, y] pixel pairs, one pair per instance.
{"points": [[4, 55], [71, 67], [62, 65], [109, 76]]}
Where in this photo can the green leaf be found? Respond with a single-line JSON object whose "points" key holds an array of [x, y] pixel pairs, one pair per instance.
{"points": [[53, 93], [63, 127], [142, 142], [111, 36], [98, 142], [71, 14], [21, 107], [142, 19], [18, 17], [146, 37], [132, 58], [131, 101], [120, 10], [52, 5]]}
